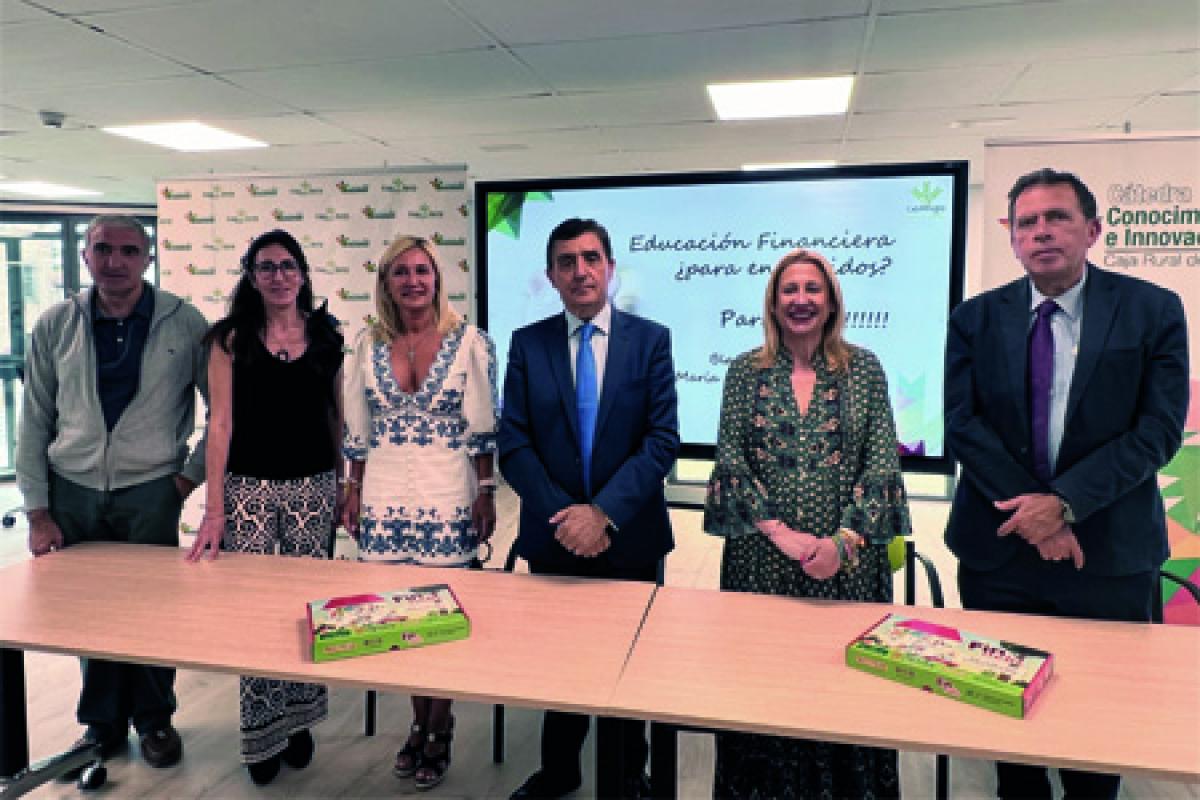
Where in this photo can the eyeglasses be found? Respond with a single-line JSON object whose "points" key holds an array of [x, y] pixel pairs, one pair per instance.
{"points": [[287, 268]]}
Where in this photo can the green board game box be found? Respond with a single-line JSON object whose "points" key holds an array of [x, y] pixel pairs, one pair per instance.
{"points": [[989, 673], [360, 625]]}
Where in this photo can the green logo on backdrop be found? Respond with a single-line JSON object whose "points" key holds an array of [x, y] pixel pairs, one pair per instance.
{"points": [[370, 212], [425, 212], [398, 185], [306, 188]]}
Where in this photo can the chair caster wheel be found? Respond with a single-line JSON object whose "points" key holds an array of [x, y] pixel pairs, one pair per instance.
{"points": [[92, 777], [9, 520]]}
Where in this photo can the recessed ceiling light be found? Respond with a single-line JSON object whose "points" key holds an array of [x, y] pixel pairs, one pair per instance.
{"points": [[789, 165], [771, 99], [45, 189], [188, 137]]}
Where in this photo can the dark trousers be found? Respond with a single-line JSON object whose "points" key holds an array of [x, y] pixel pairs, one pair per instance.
{"points": [[563, 733], [116, 694], [1029, 585]]}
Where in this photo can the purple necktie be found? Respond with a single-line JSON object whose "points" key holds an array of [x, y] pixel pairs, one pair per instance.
{"points": [[1041, 381]]}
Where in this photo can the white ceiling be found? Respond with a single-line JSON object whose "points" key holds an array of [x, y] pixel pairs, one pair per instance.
{"points": [[525, 88]]}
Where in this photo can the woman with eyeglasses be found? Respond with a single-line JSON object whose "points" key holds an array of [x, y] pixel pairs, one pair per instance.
{"points": [[420, 438], [272, 462]]}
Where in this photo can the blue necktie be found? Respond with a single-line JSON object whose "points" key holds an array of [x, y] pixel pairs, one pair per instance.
{"points": [[585, 399], [1041, 379]]}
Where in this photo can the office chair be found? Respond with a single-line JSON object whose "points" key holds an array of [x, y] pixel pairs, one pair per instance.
{"points": [[85, 757], [1185, 584]]}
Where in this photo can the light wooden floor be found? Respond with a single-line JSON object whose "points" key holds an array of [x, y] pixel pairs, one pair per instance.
{"points": [[351, 765]]}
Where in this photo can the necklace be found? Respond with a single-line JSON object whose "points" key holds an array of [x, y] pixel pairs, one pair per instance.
{"points": [[412, 342], [282, 340]]}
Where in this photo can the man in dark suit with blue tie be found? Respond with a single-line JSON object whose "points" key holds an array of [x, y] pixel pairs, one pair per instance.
{"points": [[588, 433], [1066, 392]]}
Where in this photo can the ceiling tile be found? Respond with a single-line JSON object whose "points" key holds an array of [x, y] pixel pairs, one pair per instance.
{"points": [[910, 6], [1007, 34], [227, 35], [1026, 118], [393, 82], [160, 100], [528, 114], [938, 88], [782, 51], [1168, 113], [1138, 75], [537, 21], [60, 54]]}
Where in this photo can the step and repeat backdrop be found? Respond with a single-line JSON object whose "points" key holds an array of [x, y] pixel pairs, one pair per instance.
{"points": [[343, 222]]}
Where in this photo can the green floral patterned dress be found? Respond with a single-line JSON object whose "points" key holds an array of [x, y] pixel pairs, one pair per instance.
{"points": [[835, 466]]}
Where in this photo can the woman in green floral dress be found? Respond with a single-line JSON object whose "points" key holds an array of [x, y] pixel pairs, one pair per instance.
{"points": [[807, 491]]}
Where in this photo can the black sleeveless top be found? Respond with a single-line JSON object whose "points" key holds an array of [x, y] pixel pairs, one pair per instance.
{"points": [[283, 413]]}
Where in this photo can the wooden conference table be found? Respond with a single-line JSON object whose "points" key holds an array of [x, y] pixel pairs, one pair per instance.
{"points": [[1125, 698], [542, 642]]}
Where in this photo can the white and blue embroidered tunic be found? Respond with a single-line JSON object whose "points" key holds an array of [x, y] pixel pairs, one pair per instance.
{"points": [[419, 447]]}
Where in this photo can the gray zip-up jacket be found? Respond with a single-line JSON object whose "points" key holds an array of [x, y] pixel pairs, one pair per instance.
{"points": [[62, 425]]}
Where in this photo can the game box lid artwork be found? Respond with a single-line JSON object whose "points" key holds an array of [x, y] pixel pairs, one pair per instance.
{"points": [[359, 625], [1000, 676]]}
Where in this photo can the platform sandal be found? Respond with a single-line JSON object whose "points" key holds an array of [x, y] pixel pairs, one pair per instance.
{"points": [[408, 758], [432, 770]]}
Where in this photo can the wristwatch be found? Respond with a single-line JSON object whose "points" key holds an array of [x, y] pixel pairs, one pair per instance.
{"points": [[1068, 514]]}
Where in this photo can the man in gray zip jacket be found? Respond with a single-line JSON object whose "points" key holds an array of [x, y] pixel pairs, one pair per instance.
{"points": [[110, 390]]}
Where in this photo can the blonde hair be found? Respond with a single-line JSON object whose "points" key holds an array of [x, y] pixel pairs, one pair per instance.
{"points": [[390, 325], [835, 348]]}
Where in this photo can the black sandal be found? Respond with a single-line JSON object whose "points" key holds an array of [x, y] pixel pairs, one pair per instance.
{"points": [[408, 758], [432, 770]]}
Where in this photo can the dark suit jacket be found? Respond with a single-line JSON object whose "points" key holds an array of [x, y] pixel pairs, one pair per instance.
{"points": [[636, 438], [1125, 415]]}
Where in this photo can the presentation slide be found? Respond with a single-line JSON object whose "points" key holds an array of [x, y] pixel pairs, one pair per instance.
{"points": [[694, 254]]}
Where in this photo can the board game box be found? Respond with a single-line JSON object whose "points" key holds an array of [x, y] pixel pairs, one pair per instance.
{"points": [[359, 625], [992, 674]]}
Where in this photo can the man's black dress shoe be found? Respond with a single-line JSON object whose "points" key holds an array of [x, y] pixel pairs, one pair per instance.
{"points": [[636, 787], [162, 747], [541, 785]]}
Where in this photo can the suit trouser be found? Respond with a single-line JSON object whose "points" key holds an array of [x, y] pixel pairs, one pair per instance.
{"points": [[114, 693], [563, 733], [1030, 585]]}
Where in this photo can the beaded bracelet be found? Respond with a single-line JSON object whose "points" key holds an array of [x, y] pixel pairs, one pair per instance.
{"points": [[848, 543]]}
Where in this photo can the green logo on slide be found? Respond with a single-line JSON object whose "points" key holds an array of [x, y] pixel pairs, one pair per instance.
{"points": [[926, 194]]}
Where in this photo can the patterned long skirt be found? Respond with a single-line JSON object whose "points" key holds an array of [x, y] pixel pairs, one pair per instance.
{"points": [[291, 518], [757, 767]]}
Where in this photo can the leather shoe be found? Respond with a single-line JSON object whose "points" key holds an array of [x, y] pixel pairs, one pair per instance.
{"points": [[299, 751], [263, 772], [636, 787], [541, 785], [162, 747]]}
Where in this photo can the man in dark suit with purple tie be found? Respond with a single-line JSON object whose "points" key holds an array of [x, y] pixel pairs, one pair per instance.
{"points": [[1066, 392], [588, 433]]}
